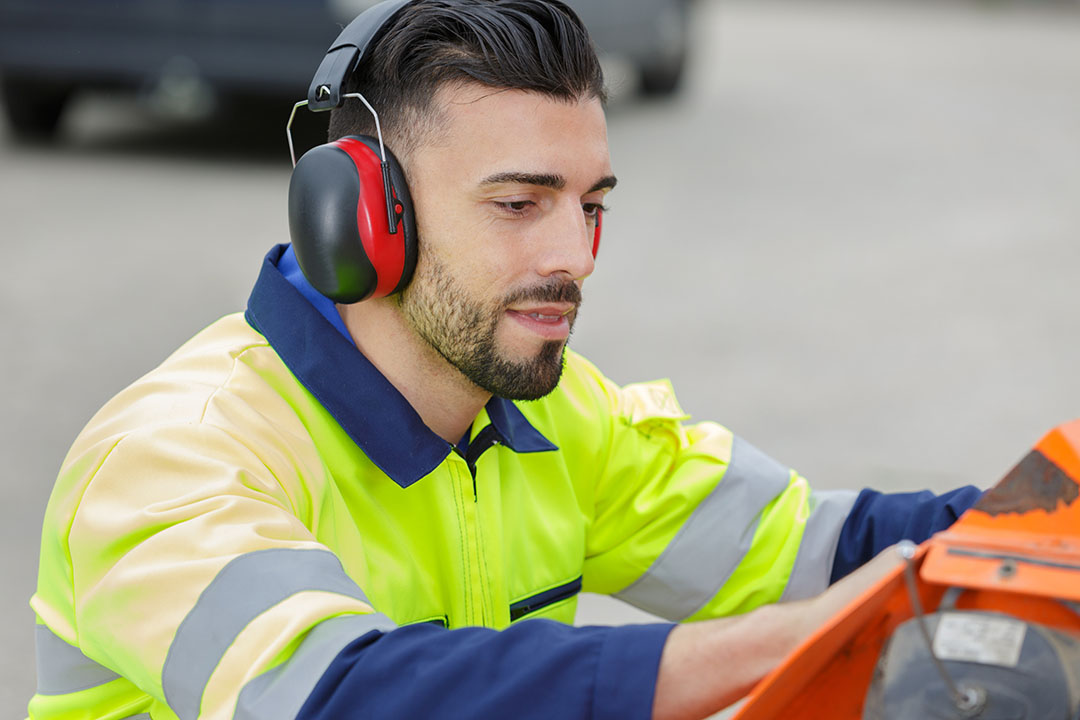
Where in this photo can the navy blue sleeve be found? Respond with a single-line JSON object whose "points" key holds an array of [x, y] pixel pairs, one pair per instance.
{"points": [[877, 521], [534, 669]]}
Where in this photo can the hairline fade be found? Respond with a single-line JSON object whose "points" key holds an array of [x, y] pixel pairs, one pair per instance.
{"points": [[538, 46]]}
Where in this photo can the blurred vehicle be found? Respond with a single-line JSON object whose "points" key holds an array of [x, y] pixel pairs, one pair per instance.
{"points": [[190, 54]]}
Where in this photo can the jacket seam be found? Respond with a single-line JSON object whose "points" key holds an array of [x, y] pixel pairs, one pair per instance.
{"points": [[221, 385], [207, 423], [67, 535], [481, 551], [598, 656], [284, 490], [461, 537]]}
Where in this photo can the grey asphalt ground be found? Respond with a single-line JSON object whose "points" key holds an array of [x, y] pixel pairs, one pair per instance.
{"points": [[854, 239]]}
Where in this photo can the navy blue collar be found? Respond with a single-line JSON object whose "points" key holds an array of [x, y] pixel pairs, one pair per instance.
{"points": [[371, 410]]}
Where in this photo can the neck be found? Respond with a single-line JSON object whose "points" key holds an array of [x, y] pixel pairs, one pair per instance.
{"points": [[445, 399]]}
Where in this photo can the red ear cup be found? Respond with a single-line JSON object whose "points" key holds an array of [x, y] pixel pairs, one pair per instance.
{"points": [[385, 250], [596, 232], [339, 225]]}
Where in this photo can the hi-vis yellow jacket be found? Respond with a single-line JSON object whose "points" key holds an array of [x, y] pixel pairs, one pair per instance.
{"points": [[225, 526]]}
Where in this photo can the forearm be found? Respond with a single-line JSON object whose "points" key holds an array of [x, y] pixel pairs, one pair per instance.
{"points": [[708, 665]]}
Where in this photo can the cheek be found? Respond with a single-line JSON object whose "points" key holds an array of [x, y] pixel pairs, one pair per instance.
{"points": [[463, 245], [444, 279], [443, 214], [478, 252], [478, 264]]}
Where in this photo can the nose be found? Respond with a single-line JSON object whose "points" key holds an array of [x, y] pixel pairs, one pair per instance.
{"points": [[568, 243]]}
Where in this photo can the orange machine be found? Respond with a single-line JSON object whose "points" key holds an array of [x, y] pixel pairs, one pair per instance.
{"points": [[983, 621]]}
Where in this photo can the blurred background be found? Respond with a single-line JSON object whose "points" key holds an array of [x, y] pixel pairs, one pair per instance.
{"points": [[847, 229]]}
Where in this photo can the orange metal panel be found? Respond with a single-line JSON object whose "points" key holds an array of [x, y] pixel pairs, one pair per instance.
{"points": [[1018, 553]]}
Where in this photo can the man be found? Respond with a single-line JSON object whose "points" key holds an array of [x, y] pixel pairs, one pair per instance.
{"points": [[376, 509]]}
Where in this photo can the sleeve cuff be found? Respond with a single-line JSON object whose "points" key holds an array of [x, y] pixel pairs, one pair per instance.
{"points": [[626, 671]]}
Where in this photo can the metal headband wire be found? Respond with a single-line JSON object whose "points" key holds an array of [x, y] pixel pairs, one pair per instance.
{"points": [[392, 207], [303, 103]]}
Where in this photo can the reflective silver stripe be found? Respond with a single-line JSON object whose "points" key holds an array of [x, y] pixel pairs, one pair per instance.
{"points": [[62, 668], [281, 692], [248, 586], [813, 565], [713, 540], [140, 716]]}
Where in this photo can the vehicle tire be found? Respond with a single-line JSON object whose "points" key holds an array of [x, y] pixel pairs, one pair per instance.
{"points": [[662, 79], [33, 108], [661, 74]]}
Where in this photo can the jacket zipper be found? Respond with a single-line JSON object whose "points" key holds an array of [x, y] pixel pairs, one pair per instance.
{"points": [[486, 438], [476, 591]]}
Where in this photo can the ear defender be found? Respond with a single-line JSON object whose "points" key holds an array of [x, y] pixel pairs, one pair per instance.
{"points": [[350, 215], [596, 233], [340, 221]]}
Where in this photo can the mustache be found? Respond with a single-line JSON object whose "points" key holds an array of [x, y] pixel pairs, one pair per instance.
{"points": [[558, 291]]}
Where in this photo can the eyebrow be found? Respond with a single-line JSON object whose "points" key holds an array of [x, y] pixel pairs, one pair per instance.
{"points": [[548, 180], [606, 183]]}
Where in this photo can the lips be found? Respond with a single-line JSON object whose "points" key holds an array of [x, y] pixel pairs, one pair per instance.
{"points": [[551, 322], [545, 313]]}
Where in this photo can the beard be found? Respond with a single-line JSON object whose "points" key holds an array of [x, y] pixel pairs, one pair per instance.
{"points": [[463, 331]]}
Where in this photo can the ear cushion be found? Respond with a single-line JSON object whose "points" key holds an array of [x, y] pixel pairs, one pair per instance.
{"points": [[339, 225]]}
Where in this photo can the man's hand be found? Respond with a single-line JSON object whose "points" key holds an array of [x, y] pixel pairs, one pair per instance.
{"points": [[708, 665]]}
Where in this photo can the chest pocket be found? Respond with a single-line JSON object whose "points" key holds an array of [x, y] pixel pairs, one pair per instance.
{"points": [[557, 603]]}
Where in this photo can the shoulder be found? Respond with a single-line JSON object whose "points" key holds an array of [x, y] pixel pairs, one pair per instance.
{"points": [[226, 380], [217, 416]]}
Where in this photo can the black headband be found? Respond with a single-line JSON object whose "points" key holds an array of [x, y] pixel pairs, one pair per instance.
{"points": [[345, 54]]}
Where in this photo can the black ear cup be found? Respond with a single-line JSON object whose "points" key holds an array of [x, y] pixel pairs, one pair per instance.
{"points": [[339, 224]]}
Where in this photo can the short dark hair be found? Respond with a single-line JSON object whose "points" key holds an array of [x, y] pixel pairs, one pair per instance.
{"points": [[534, 45]]}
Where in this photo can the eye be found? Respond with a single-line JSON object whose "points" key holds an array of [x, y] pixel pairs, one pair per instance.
{"points": [[591, 210], [516, 208]]}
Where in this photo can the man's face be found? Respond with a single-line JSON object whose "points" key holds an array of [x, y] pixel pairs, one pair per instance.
{"points": [[506, 196]]}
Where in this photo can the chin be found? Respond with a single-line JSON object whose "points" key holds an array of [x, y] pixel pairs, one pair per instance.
{"points": [[528, 377], [534, 354]]}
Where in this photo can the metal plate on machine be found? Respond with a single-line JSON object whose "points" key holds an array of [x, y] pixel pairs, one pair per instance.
{"points": [[979, 638]]}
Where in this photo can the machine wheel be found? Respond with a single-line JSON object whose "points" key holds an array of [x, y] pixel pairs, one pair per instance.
{"points": [[33, 107], [662, 73], [661, 79]]}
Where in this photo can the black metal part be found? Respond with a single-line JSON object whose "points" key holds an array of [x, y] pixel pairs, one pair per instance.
{"points": [[965, 699], [388, 190]]}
